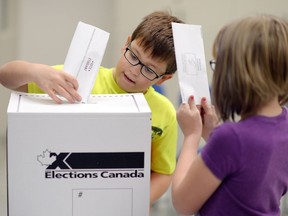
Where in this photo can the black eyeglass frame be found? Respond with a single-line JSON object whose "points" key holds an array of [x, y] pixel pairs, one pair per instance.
{"points": [[142, 65], [212, 63]]}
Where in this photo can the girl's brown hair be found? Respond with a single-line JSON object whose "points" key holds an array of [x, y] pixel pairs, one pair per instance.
{"points": [[251, 65]]}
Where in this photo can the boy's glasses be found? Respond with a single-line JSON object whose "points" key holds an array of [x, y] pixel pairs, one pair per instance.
{"points": [[144, 70], [212, 64]]}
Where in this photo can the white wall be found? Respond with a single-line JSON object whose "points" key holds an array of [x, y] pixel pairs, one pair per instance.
{"points": [[46, 27], [7, 52]]}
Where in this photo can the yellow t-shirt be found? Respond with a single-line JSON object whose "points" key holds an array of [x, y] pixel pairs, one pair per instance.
{"points": [[164, 123]]}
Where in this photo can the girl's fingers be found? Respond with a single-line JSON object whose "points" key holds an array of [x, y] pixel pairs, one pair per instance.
{"points": [[191, 102]]}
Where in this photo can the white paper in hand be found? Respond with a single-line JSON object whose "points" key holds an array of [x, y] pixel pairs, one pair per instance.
{"points": [[85, 56], [191, 64]]}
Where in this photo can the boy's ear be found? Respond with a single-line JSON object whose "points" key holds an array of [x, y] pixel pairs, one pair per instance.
{"points": [[164, 78], [127, 43]]}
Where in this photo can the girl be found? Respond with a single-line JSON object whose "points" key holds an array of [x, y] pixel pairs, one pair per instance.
{"points": [[243, 169]]}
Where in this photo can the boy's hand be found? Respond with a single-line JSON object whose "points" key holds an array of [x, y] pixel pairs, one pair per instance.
{"points": [[56, 83]]}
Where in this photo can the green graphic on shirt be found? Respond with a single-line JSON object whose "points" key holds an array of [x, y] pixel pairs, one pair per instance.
{"points": [[156, 132]]}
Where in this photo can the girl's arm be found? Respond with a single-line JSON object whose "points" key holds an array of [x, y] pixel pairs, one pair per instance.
{"points": [[193, 183]]}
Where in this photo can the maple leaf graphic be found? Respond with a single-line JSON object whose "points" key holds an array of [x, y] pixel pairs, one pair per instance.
{"points": [[46, 159]]}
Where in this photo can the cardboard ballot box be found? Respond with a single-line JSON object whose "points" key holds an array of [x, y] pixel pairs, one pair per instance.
{"points": [[78, 159]]}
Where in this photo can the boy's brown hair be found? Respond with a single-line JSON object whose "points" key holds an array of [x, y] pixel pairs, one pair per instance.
{"points": [[251, 65], [155, 35]]}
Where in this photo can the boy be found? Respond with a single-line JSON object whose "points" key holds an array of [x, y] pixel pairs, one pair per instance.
{"points": [[148, 58]]}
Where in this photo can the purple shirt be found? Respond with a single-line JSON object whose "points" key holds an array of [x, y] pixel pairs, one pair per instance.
{"points": [[251, 159]]}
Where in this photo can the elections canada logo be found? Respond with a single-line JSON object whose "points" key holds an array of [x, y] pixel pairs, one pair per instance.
{"points": [[76, 165]]}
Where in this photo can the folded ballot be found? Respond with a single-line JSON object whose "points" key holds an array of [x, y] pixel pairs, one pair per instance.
{"points": [[85, 55], [191, 64]]}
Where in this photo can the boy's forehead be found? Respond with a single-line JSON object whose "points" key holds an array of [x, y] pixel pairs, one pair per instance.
{"points": [[139, 47], [146, 55]]}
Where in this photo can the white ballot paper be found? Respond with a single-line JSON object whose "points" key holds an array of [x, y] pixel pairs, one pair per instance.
{"points": [[85, 56], [191, 64]]}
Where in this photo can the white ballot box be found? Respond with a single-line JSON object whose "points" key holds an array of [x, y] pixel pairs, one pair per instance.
{"points": [[78, 159]]}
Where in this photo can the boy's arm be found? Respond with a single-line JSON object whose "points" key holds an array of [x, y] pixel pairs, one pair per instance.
{"points": [[16, 75], [158, 185]]}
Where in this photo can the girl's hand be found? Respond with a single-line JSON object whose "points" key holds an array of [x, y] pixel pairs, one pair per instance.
{"points": [[209, 118], [189, 118]]}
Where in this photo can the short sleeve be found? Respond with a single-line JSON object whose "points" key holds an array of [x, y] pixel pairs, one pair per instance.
{"points": [[222, 153]]}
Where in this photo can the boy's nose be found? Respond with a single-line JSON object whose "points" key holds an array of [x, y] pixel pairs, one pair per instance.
{"points": [[136, 70]]}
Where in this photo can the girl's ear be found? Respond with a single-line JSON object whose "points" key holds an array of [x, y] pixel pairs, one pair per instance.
{"points": [[164, 78]]}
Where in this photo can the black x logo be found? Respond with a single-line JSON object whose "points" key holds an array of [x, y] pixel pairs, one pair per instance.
{"points": [[59, 162]]}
